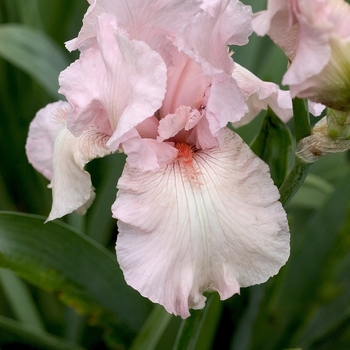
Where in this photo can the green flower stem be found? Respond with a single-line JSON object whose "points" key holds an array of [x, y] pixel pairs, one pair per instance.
{"points": [[300, 169], [152, 330], [301, 119], [198, 331], [294, 180]]}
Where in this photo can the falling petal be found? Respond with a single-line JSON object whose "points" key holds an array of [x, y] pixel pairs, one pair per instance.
{"points": [[210, 220], [71, 184], [43, 131]]}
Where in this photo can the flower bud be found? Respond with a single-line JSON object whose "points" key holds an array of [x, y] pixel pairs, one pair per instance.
{"points": [[315, 36]]}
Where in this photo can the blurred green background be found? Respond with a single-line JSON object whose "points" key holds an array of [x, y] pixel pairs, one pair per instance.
{"points": [[73, 295]]}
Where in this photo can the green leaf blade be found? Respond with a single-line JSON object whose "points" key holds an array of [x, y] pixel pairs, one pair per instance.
{"points": [[308, 282], [33, 52], [16, 332], [152, 330], [84, 274], [20, 299]]}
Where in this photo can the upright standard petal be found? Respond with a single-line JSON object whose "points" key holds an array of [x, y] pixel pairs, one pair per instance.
{"points": [[153, 22], [210, 220], [277, 23], [226, 103], [186, 83], [122, 81], [206, 37]]}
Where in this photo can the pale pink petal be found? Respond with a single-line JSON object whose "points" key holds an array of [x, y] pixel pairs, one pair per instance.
{"points": [[261, 21], [259, 95], [324, 27], [194, 119], [171, 124], [81, 83], [71, 184], [146, 154], [232, 21], [205, 38], [153, 22], [184, 118], [148, 128], [282, 107], [211, 220], [123, 80], [315, 35], [186, 83], [137, 82], [277, 22], [312, 55], [201, 136], [328, 15], [42, 134], [316, 108], [225, 104], [331, 86]]}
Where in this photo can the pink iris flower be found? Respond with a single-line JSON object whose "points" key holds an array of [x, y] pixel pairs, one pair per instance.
{"points": [[315, 36], [197, 210]]}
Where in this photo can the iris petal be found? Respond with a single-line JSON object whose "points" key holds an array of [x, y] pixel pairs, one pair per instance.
{"points": [[210, 220], [71, 184]]}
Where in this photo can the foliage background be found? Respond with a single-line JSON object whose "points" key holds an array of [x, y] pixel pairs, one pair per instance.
{"points": [[73, 295]]}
